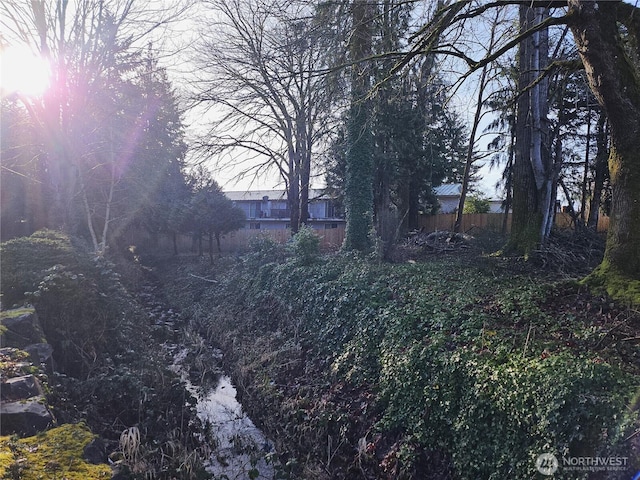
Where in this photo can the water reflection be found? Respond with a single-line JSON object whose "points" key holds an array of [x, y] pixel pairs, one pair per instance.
{"points": [[240, 450]]}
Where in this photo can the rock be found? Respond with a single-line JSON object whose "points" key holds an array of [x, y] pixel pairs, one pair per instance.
{"points": [[95, 452], [120, 472], [22, 328], [20, 388], [41, 353], [24, 417]]}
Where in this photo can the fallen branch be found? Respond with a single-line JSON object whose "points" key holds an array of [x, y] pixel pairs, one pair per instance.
{"points": [[203, 278]]}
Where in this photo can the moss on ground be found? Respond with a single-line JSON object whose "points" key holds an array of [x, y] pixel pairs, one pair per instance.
{"points": [[56, 453], [16, 312]]}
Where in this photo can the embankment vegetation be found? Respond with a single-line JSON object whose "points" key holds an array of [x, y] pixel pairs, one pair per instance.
{"points": [[453, 366]]}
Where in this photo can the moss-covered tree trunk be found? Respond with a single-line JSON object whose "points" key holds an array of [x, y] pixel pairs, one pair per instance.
{"points": [[359, 171], [608, 36]]}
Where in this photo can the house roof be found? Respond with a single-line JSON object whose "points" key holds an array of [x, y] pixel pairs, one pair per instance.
{"points": [[448, 190], [258, 195]]}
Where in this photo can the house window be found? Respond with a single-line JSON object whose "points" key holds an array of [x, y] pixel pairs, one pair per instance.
{"points": [[329, 226], [332, 209], [329, 210], [255, 210], [254, 226]]}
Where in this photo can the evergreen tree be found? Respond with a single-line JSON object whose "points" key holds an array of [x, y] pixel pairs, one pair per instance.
{"points": [[213, 214], [416, 141], [153, 183], [86, 127], [359, 162]]}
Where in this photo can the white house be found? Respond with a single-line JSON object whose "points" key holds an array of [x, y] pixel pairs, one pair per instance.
{"points": [[448, 195], [268, 209]]}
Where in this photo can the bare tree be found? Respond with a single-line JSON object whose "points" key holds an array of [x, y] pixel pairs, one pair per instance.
{"points": [[262, 85], [485, 78]]}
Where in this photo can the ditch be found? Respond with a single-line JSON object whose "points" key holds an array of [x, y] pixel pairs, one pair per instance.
{"points": [[238, 449]]}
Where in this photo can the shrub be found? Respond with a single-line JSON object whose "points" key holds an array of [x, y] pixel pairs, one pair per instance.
{"points": [[494, 418], [80, 302], [305, 245], [112, 372], [476, 204], [25, 260], [263, 249]]}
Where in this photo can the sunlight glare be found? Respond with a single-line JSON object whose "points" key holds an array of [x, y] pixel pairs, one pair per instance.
{"points": [[22, 71]]}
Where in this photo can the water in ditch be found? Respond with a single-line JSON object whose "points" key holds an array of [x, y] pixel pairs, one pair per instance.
{"points": [[240, 449]]}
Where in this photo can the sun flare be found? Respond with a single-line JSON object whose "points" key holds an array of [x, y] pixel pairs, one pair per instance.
{"points": [[22, 71]]}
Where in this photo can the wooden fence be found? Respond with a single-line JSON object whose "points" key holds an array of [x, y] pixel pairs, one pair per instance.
{"points": [[331, 239], [492, 222], [471, 221]]}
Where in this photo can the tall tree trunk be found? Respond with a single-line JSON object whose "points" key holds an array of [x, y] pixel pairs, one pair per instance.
{"points": [[359, 171], [54, 125], [466, 176], [532, 177], [508, 181], [614, 78], [383, 216], [211, 247], [600, 173], [585, 176], [304, 136], [305, 180], [218, 244], [293, 191]]}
